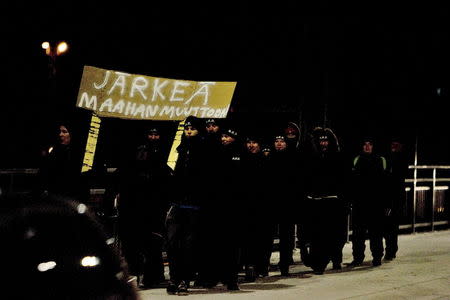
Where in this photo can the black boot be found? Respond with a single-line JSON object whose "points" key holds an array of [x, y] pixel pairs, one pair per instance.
{"points": [[284, 271], [250, 274], [376, 262], [232, 286], [182, 288], [172, 288]]}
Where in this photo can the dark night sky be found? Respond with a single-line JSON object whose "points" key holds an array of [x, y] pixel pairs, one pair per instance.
{"points": [[374, 74]]}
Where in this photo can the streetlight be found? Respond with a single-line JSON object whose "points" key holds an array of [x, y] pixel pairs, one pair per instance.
{"points": [[53, 52]]}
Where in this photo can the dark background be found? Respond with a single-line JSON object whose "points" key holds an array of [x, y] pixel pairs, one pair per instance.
{"points": [[362, 69]]}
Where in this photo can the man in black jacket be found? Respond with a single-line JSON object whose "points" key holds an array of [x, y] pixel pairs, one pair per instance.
{"points": [[368, 203], [144, 197], [397, 168], [183, 218], [324, 187], [283, 168]]}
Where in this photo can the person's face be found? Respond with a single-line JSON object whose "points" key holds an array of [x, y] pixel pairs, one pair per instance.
{"points": [[153, 136], [227, 139], [324, 145], [396, 147], [280, 145], [253, 147], [291, 133], [212, 128], [64, 135], [368, 147], [190, 131]]}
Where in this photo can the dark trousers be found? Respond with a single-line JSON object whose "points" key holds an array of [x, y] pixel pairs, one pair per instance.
{"points": [[329, 228], [304, 231], [391, 235], [287, 243], [303, 241], [256, 244], [365, 226], [182, 243], [142, 250], [218, 247]]}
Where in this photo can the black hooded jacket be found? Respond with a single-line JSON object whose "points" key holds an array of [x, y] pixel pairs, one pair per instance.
{"points": [[190, 171], [369, 184]]}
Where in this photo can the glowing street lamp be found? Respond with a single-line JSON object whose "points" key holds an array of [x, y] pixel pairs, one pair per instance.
{"points": [[53, 52]]}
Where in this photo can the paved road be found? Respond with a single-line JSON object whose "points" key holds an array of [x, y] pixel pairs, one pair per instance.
{"points": [[421, 271]]}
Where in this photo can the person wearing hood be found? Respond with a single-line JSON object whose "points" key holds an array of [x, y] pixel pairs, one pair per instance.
{"points": [[397, 166], [324, 187], [368, 202]]}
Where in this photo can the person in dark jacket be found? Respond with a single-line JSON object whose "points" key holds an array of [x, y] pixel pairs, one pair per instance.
{"points": [[60, 169], [324, 187], [368, 203], [144, 198], [207, 275], [293, 136], [397, 168], [283, 168], [183, 218], [257, 226], [226, 210]]}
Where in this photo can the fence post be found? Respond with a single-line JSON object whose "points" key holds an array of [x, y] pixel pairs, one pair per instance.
{"points": [[433, 199]]}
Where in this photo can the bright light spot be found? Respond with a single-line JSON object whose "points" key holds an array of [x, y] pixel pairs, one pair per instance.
{"points": [[439, 91], [62, 47], [81, 208], [50, 150], [90, 261], [110, 241], [45, 45], [45, 266]]}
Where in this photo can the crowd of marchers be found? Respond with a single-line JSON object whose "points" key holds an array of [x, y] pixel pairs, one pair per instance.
{"points": [[217, 212]]}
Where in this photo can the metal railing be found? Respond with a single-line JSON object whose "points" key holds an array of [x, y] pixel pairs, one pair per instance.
{"points": [[426, 203], [428, 212]]}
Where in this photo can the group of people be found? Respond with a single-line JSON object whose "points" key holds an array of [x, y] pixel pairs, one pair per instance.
{"points": [[217, 212]]}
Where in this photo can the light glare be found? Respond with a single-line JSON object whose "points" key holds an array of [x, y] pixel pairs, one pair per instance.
{"points": [[90, 261], [45, 266], [62, 47], [81, 208]]}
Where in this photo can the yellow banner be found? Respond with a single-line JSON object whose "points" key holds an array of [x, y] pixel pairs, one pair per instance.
{"points": [[91, 144], [116, 94]]}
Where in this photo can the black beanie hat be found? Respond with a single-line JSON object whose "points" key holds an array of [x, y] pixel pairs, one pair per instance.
{"points": [[231, 132], [280, 137], [211, 121], [152, 130], [192, 121]]}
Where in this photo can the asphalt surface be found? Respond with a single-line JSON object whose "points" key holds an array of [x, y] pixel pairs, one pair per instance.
{"points": [[420, 271]]}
